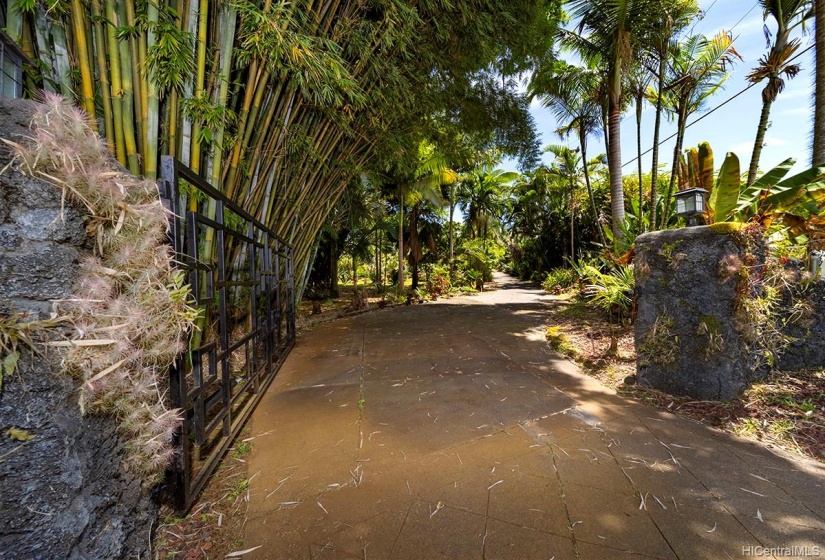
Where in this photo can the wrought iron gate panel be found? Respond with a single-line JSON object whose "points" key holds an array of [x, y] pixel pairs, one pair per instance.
{"points": [[241, 275]]}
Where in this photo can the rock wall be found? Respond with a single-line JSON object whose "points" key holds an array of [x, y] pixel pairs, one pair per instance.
{"points": [[689, 340], [63, 493], [806, 349], [41, 238]]}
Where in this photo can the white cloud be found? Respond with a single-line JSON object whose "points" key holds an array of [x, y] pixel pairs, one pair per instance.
{"points": [[801, 110], [746, 148]]}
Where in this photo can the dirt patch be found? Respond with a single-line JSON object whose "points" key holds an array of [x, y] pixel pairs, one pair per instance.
{"points": [[215, 525], [785, 411]]}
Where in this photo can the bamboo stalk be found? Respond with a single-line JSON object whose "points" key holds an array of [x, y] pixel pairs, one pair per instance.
{"points": [[117, 88], [62, 68], [128, 104], [138, 120], [200, 78], [86, 84], [228, 17], [103, 74], [150, 154]]}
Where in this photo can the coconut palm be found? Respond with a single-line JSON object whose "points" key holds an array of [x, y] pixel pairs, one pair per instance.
{"points": [[698, 68], [430, 174], [615, 30], [777, 64]]}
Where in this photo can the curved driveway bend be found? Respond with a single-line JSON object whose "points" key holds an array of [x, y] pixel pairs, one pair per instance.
{"points": [[450, 430]]}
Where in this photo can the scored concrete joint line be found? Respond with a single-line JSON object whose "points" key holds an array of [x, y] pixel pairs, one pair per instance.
{"points": [[474, 440]]}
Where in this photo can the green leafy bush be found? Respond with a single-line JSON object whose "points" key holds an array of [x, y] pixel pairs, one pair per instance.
{"points": [[560, 280], [611, 291]]}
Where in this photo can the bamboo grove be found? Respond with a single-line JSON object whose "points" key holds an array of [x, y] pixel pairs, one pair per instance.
{"points": [[278, 104]]}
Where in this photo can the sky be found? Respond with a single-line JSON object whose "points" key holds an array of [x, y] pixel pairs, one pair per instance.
{"points": [[732, 127]]}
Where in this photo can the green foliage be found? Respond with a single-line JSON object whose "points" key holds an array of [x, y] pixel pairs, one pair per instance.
{"points": [[560, 280], [723, 200], [611, 291], [241, 448]]}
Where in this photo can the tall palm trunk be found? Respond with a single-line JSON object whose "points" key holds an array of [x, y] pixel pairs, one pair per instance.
{"points": [[615, 168], [452, 232], [355, 276], [583, 145], [818, 148], [761, 130], [654, 166], [399, 289], [639, 102], [572, 223], [677, 151]]}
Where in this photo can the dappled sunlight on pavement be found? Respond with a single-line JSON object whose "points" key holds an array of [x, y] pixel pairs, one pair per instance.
{"points": [[450, 430]]}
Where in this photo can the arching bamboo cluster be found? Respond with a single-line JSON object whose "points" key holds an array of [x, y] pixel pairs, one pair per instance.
{"points": [[277, 104]]}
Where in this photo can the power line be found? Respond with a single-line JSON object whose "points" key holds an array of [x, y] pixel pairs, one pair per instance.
{"points": [[703, 16], [710, 111], [743, 17]]}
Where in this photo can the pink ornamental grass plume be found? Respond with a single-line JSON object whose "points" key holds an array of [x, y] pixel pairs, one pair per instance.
{"points": [[130, 307]]}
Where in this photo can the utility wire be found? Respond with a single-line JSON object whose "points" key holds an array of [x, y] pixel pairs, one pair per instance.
{"points": [[708, 113]]}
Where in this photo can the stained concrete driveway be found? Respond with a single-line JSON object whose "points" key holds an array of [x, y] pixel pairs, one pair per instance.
{"points": [[450, 430]]}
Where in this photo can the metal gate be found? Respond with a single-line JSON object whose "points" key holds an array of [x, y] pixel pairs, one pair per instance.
{"points": [[241, 275]]}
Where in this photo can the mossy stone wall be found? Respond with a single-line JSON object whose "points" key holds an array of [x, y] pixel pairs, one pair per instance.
{"points": [[690, 335]]}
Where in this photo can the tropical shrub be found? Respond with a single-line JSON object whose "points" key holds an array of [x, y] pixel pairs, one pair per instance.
{"points": [[611, 291], [559, 280]]}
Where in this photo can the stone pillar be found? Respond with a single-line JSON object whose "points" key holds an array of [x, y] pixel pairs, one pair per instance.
{"points": [[693, 335]]}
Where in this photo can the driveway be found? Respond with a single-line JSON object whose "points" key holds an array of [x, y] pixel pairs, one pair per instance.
{"points": [[451, 430]]}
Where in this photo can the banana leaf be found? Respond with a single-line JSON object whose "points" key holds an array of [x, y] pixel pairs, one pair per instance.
{"points": [[725, 196], [705, 167]]}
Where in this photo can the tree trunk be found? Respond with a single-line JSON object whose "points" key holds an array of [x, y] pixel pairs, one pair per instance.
{"points": [[639, 102], [355, 276], [654, 169], [674, 174], [378, 259], [583, 144], [615, 168], [572, 227], [452, 235], [818, 147], [753, 168], [333, 267], [399, 289]]}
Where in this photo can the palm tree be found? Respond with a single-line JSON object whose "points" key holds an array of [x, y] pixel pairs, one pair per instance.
{"points": [[481, 198], [698, 68], [615, 30], [671, 16], [430, 174], [818, 148], [776, 65], [566, 168], [572, 94]]}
